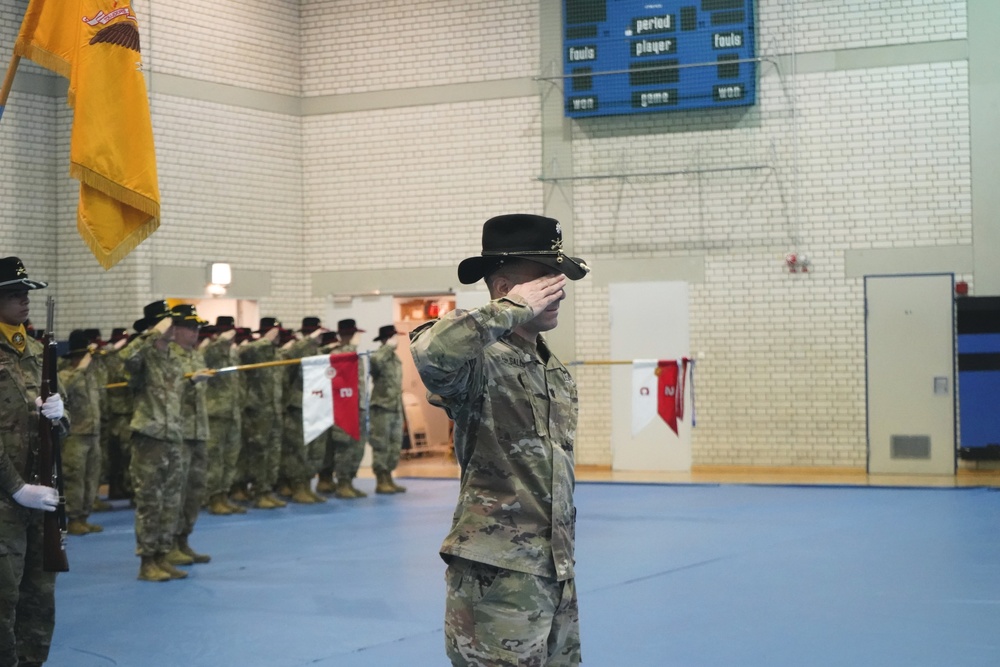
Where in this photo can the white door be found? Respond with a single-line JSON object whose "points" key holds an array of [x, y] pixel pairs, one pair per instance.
{"points": [[648, 321], [910, 359]]}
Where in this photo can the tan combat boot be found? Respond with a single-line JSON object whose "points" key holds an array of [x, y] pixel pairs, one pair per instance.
{"points": [[177, 557], [185, 548], [300, 494], [397, 487], [325, 483], [347, 491], [149, 571], [93, 527], [383, 483], [218, 505], [269, 501], [236, 509], [315, 496], [166, 566], [77, 527]]}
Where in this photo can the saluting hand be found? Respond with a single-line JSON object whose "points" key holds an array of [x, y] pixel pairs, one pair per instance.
{"points": [[540, 293]]}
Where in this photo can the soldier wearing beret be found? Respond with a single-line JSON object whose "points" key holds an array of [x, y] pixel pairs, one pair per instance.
{"points": [[515, 408], [27, 592]]}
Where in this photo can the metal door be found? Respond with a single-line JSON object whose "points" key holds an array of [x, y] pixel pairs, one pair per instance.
{"points": [[910, 363]]}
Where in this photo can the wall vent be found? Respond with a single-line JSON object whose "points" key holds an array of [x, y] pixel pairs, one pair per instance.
{"points": [[910, 447]]}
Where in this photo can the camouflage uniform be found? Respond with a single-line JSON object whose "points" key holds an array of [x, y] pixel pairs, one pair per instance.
{"points": [[297, 466], [224, 401], [194, 459], [81, 453], [27, 594], [344, 453], [155, 378], [116, 416], [386, 409], [512, 538], [261, 416]]}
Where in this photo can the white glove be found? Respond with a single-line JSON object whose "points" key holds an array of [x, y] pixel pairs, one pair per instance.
{"points": [[52, 408], [37, 497]]}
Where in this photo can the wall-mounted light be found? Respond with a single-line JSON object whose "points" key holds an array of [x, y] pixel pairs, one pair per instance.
{"points": [[220, 275]]}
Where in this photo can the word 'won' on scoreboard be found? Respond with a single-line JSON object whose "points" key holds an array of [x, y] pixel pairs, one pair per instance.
{"points": [[637, 56]]}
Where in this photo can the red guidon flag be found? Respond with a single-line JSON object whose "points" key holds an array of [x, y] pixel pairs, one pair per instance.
{"points": [[330, 395], [658, 388]]}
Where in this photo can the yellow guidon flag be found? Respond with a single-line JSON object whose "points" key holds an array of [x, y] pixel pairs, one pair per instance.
{"points": [[95, 44]]}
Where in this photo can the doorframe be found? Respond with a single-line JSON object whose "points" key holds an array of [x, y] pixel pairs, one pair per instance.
{"points": [[954, 365]]}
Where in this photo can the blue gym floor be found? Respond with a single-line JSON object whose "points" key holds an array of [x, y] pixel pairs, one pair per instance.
{"points": [[668, 575]]}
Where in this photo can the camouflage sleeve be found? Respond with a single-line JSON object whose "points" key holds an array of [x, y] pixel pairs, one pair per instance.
{"points": [[445, 350], [135, 358], [10, 479]]}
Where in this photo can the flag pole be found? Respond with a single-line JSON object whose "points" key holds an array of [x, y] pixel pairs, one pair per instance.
{"points": [[244, 367], [8, 81]]}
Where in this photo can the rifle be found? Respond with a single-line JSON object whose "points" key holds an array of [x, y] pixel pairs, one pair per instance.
{"points": [[50, 457]]}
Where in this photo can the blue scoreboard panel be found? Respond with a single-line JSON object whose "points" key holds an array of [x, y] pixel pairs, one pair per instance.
{"points": [[637, 56]]}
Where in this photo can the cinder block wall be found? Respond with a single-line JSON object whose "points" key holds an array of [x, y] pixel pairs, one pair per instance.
{"points": [[297, 137]]}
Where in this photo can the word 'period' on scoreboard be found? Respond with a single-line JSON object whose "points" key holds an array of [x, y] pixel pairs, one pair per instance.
{"points": [[636, 56]]}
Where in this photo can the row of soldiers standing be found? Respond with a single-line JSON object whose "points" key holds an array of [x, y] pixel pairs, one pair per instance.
{"points": [[178, 437]]}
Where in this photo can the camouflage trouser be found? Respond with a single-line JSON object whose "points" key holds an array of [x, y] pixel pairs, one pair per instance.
{"points": [[502, 618], [295, 466], [81, 464], [194, 467], [27, 594], [262, 449], [386, 438], [115, 441], [223, 452], [156, 475], [344, 453]]}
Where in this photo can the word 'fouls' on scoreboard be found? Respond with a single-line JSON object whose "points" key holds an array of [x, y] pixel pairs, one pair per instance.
{"points": [[637, 56]]}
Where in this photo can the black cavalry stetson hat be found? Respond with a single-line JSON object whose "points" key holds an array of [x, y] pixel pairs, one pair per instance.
{"points": [[151, 314], [348, 326], [386, 332], [79, 343], [185, 314], [523, 236], [13, 276]]}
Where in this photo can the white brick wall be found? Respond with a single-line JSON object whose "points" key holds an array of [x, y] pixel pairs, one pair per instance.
{"points": [[251, 44], [354, 46], [804, 26]]}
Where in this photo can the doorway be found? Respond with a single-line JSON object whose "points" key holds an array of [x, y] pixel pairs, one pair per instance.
{"points": [[910, 368]]}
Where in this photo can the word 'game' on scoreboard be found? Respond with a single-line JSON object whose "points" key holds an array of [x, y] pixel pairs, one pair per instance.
{"points": [[636, 56]]}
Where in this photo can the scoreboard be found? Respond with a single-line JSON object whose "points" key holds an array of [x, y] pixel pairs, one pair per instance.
{"points": [[639, 56]]}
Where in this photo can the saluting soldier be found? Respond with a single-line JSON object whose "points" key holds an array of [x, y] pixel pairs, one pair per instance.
{"points": [[156, 372], [515, 410], [296, 469], [81, 453], [386, 410], [343, 452], [225, 406], [116, 415], [194, 412], [262, 413]]}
